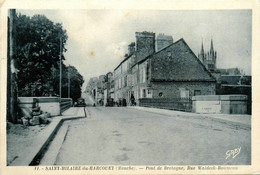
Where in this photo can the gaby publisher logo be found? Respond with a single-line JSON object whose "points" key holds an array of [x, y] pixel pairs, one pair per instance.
{"points": [[233, 153]]}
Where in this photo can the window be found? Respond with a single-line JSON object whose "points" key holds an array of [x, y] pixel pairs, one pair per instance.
{"points": [[141, 74], [119, 84], [147, 71], [144, 93], [135, 78], [116, 84], [125, 81], [184, 93], [197, 92], [169, 53], [149, 93], [144, 75]]}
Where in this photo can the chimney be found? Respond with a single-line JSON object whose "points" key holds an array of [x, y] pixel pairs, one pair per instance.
{"points": [[145, 44], [163, 41], [131, 48]]}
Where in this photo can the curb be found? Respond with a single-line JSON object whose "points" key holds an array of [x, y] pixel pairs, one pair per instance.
{"points": [[32, 153], [223, 121]]}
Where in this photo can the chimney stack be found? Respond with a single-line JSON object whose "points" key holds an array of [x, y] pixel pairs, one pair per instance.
{"points": [[131, 48], [163, 41], [145, 44]]}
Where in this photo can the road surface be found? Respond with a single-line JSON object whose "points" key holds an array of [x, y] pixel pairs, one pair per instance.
{"points": [[124, 136]]}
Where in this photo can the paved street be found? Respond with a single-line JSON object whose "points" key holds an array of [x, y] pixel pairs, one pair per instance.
{"points": [[128, 136]]}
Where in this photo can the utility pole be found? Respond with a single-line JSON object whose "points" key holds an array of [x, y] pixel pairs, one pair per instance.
{"points": [[60, 71], [68, 82], [12, 91]]}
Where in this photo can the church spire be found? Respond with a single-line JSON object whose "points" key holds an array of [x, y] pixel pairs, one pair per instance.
{"points": [[202, 49], [211, 47], [201, 55]]}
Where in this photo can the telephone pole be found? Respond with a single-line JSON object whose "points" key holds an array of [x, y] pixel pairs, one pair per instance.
{"points": [[12, 91], [68, 82]]}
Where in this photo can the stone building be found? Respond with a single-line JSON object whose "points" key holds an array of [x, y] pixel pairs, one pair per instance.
{"points": [[100, 86], [91, 86], [172, 72], [95, 88], [230, 71], [108, 87]]}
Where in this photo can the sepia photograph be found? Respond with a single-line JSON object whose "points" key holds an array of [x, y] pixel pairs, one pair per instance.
{"points": [[145, 90], [128, 89]]}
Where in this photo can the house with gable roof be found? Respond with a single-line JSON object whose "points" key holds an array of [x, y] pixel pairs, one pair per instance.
{"points": [[175, 71]]}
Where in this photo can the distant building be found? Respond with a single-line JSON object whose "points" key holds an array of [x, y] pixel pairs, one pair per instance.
{"points": [[208, 58], [230, 71], [109, 87], [91, 86], [100, 90], [235, 80], [95, 88]]}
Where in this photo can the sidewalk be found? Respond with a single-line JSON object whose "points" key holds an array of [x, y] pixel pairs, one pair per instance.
{"points": [[73, 111], [242, 119], [30, 154]]}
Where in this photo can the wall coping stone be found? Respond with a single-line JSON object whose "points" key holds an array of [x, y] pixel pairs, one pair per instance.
{"points": [[237, 97], [41, 99]]}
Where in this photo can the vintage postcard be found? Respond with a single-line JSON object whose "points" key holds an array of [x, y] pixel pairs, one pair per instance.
{"points": [[130, 87]]}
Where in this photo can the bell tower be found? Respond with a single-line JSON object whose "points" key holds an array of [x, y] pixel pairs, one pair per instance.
{"points": [[209, 58]]}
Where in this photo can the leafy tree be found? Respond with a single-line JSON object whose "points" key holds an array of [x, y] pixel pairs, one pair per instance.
{"points": [[38, 50], [76, 82], [91, 85]]}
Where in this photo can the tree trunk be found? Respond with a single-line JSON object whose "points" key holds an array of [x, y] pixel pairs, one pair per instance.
{"points": [[12, 91]]}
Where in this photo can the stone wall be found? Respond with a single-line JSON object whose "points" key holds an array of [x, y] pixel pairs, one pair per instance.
{"points": [[47, 104], [173, 89], [180, 104], [65, 104], [238, 89], [225, 104]]}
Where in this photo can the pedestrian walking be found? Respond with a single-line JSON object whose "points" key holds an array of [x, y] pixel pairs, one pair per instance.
{"points": [[132, 100]]}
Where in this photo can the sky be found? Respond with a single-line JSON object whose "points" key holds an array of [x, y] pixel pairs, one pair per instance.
{"points": [[98, 39]]}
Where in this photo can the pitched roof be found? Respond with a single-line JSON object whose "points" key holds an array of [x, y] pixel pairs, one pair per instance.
{"points": [[233, 79], [182, 65], [126, 58]]}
